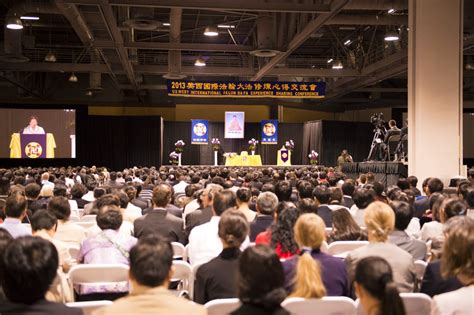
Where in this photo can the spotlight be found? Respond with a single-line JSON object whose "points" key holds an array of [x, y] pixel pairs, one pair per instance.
{"points": [[14, 23], [337, 65], [50, 57], [211, 31], [73, 78], [200, 62]]}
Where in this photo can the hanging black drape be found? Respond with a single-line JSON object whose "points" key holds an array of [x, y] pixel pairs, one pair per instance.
{"points": [[312, 139], [203, 154]]}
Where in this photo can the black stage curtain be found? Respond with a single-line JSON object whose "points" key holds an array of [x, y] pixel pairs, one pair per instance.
{"points": [[120, 141], [387, 173], [203, 154]]}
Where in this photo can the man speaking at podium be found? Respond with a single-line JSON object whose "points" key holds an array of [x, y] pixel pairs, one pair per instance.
{"points": [[33, 128]]}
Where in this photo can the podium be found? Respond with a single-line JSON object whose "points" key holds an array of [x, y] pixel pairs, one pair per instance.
{"points": [[284, 157], [32, 146]]}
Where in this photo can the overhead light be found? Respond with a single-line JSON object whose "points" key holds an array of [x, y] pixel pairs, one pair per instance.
{"points": [[391, 11], [31, 18], [14, 23], [391, 36], [211, 31], [337, 65], [330, 60], [225, 26], [73, 78], [200, 62], [347, 42], [50, 57], [166, 24]]}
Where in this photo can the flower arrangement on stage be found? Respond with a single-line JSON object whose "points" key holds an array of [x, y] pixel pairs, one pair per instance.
{"points": [[174, 158], [290, 145], [229, 154], [178, 146], [253, 144], [313, 157], [216, 144]]}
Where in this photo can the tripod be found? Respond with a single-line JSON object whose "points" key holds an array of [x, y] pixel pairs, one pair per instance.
{"points": [[376, 141]]}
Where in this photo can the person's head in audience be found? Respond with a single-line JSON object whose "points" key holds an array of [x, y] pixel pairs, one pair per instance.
{"points": [[463, 187], [458, 254], [32, 191], [282, 230], [261, 278], [78, 191], [108, 200], [46, 191], [109, 217], [44, 221], [348, 187], [162, 194], [59, 206], [413, 181], [222, 201], [15, 206], [362, 179], [267, 202], [363, 197], [309, 235], [375, 288], [150, 264], [322, 194], [307, 205], [305, 190], [60, 190], [243, 196], [268, 187], [379, 220], [283, 191], [434, 185], [469, 198], [28, 267], [124, 200], [344, 227], [403, 214], [45, 177], [452, 207], [403, 183], [370, 178], [233, 228], [113, 176], [335, 195], [208, 193]]}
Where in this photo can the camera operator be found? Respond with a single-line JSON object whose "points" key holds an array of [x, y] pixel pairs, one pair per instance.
{"points": [[394, 130]]}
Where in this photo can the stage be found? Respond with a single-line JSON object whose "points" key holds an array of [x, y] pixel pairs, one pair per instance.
{"points": [[387, 173]]}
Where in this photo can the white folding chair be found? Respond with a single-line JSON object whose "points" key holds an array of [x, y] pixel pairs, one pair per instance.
{"points": [[420, 267], [89, 218], [186, 253], [178, 250], [340, 305], [74, 218], [73, 250], [416, 303], [97, 274], [342, 248], [193, 279], [184, 274], [222, 306], [89, 306], [86, 224]]}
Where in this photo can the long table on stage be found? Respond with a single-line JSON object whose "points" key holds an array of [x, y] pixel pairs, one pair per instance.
{"points": [[387, 173]]}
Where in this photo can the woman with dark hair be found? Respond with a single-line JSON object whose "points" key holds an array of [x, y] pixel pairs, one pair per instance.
{"points": [[243, 199], [260, 283], [376, 289], [217, 279], [280, 235], [344, 227]]}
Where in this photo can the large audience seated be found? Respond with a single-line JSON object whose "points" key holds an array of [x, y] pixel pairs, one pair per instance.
{"points": [[258, 235]]}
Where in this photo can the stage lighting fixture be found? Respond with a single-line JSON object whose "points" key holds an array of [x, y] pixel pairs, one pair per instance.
{"points": [[50, 57], [73, 78], [14, 23], [391, 36], [211, 31], [200, 62], [337, 65]]}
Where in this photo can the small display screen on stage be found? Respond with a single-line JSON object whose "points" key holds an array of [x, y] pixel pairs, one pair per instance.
{"points": [[37, 133]]}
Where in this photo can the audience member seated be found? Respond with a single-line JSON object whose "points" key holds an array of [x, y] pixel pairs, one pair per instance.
{"points": [[380, 221], [376, 289], [32, 192], [129, 212], [28, 267], [15, 210], [109, 200], [204, 213], [348, 189], [457, 261], [322, 195], [363, 197], [217, 279], [44, 225], [280, 234], [132, 197], [336, 198], [159, 220], [204, 242], [91, 207], [261, 283], [5, 239], [243, 198], [469, 198], [67, 231], [434, 283], [433, 185], [403, 215], [151, 271], [108, 247], [433, 228], [267, 203], [344, 228], [303, 273], [77, 192]]}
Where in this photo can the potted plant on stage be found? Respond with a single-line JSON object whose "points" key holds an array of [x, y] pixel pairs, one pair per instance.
{"points": [[290, 145], [174, 158], [313, 157], [179, 148], [253, 145], [216, 145]]}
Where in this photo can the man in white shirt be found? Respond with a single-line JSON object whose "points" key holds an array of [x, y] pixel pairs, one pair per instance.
{"points": [[15, 209], [204, 242], [180, 187], [33, 128]]}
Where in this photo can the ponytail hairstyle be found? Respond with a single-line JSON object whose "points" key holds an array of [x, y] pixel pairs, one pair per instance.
{"points": [[233, 228], [309, 234], [380, 221], [374, 274]]}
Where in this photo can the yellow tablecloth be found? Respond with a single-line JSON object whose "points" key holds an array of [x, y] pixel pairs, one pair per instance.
{"points": [[280, 161], [243, 160], [15, 146]]}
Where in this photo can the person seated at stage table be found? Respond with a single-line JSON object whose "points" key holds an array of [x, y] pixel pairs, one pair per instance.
{"points": [[392, 131], [67, 231], [322, 195], [267, 203], [217, 279], [344, 227], [33, 128]]}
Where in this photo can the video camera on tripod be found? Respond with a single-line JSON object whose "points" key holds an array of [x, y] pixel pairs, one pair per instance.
{"points": [[378, 121], [376, 150]]}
